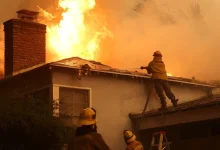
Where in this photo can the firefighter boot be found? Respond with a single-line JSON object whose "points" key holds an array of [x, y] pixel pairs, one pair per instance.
{"points": [[174, 102], [163, 105]]}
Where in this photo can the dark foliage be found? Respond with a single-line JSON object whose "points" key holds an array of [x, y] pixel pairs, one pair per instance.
{"points": [[26, 123]]}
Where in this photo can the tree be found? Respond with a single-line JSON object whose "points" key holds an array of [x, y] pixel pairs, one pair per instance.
{"points": [[28, 124]]}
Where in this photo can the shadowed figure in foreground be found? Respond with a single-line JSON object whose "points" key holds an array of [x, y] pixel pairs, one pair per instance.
{"points": [[86, 136], [157, 68]]}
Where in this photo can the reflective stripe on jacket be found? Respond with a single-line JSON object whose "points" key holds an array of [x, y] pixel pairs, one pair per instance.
{"points": [[135, 145]]}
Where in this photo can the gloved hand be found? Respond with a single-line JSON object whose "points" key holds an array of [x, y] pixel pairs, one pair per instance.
{"points": [[142, 67]]}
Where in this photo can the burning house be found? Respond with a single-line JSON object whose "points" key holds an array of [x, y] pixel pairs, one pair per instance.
{"points": [[117, 95]]}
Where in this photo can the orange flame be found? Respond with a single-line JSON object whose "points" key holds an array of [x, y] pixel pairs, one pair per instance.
{"points": [[71, 36], [169, 74]]}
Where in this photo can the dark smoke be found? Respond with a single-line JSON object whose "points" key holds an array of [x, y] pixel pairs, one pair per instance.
{"points": [[186, 32]]}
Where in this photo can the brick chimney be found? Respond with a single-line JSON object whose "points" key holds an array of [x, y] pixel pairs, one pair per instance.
{"points": [[25, 43]]}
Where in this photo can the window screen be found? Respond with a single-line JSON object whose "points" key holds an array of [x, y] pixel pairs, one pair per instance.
{"points": [[72, 101]]}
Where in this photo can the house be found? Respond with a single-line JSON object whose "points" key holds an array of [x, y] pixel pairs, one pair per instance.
{"points": [[77, 83]]}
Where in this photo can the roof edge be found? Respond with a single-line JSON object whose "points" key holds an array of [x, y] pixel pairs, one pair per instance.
{"points": [[137, 75], [24, 71], [215, 99]]}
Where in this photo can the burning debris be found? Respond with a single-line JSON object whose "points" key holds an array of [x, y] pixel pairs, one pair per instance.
{"points": [[84, 71]]}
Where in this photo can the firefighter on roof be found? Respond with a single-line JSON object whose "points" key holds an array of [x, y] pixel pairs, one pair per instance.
{"points": [[157, 68], [86, 136], [132, 143]]}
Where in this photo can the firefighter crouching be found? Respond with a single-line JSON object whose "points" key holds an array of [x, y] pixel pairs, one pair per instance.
{"points": [[132, 143], [157, 68], [86, 136]]}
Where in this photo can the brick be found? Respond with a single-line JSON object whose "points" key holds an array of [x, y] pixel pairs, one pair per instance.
{"points": [[24, 44]]}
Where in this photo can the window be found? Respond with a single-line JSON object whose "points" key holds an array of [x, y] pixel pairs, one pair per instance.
{"points": [[72, 101]]}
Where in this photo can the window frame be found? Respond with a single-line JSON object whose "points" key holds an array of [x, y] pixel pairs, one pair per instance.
{"points": [[56, 96]]}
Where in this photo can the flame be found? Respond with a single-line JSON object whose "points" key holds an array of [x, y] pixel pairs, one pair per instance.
{"points": [[169, 74], [72, 35]]}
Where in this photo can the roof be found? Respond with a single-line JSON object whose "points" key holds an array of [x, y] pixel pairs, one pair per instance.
{"points": [[201, 102], [76, 63]]}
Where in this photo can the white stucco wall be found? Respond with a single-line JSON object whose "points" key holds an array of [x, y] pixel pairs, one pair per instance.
{"points": [[115, 97], [183, 92]]}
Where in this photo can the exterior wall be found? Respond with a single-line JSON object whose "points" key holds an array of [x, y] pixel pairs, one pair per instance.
{"points": [[114, 97], [24, 83], [24, 44], [183, 92]]}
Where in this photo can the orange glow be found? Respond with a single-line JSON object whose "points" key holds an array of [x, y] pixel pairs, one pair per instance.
{"points": [[72, 36], [169, 74]]}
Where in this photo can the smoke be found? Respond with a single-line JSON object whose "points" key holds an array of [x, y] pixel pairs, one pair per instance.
{"points": [[186, 32]]}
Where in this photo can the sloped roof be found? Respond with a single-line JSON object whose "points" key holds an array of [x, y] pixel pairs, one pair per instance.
{"points": [[77, 63]]}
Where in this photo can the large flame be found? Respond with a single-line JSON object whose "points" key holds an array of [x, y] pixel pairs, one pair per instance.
{"points": [[72, 35]]}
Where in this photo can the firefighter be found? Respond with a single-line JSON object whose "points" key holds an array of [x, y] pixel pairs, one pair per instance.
{"points": [[130, 140], [86, 136], [157, 68]]}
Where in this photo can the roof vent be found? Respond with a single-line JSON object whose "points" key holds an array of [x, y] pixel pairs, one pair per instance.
{"points": [[27, 15]]}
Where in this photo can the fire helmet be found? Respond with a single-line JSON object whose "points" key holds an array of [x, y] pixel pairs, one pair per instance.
{"points": [[87, 117], [157, 53], [129, 136]]}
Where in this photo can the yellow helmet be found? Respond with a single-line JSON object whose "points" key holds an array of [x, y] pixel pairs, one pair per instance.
{"points": [[157, 53], [87, 117], [129, 136]]}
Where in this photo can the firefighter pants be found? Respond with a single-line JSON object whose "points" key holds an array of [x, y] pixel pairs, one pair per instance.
{"points": [[160, 86]]}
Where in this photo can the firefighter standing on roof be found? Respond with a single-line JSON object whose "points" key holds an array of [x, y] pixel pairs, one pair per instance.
{"points": [[157, 68], [86, 136], [132, 143]]}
